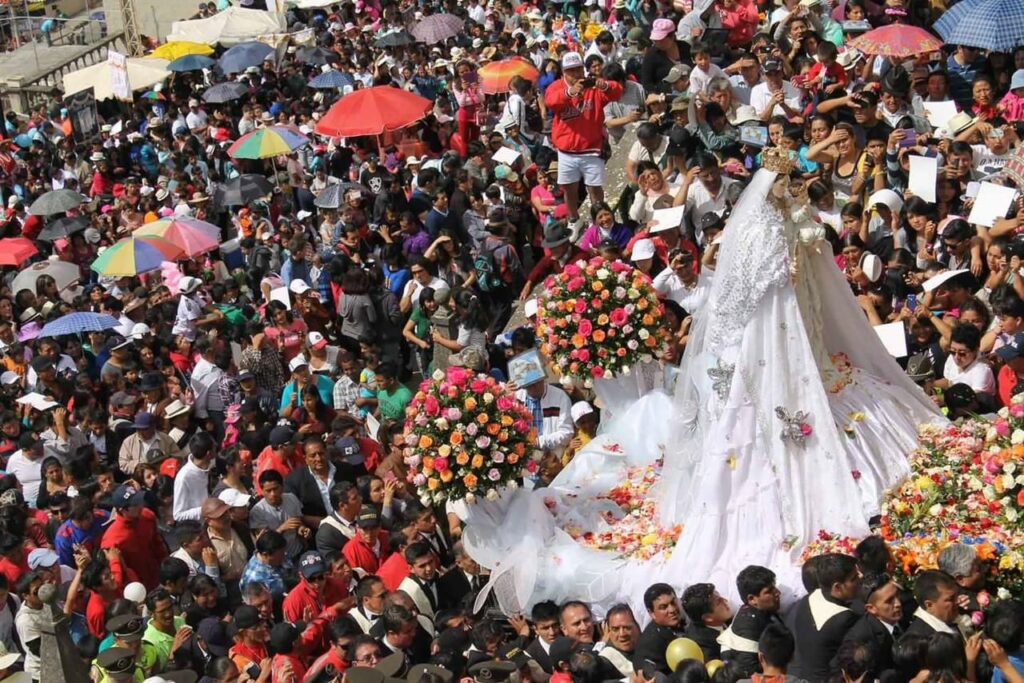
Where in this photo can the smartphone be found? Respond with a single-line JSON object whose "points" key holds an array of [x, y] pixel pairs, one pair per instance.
{"points": [[908, 141], [588, 82], [470, 77], [911, 302]]}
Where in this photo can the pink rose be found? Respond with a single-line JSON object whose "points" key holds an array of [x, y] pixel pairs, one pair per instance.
{"points": [[458, 376], [571, 270], [619, 317], [620, 267], [993, 466], [984, 599], [431, 406], [505, 403], [597, 304], [521, 426], [584, 356], [440, 464], [977, 618], [478, 386], [581, 306], [575, 284], [597, 262], [805, 429], [1017, 410], [597, 371], [586, 328], [1002, 428]]}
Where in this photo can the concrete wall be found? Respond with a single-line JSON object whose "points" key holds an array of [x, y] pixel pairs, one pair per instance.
{"points": [[154, 17]]}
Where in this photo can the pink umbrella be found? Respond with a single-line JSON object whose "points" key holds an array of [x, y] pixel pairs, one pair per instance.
{"points": [[193, 236]]}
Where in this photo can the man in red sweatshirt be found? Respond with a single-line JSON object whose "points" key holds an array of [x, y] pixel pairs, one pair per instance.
{"points": [[369, 548], [134, 532], [577, 131]]}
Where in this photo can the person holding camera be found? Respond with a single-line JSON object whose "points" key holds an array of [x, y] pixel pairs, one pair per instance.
{"points": [[577, 131]]}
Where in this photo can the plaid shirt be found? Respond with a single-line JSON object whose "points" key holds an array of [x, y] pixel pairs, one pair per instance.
{"points": [[257, 571], [345, 394], [265, 365]]}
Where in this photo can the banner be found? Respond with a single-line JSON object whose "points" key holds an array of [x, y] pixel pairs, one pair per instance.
{"points": [[85, 123], [119, 76]]}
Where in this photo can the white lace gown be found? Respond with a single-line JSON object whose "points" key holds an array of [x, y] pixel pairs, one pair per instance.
{"points": [[780, 334]]}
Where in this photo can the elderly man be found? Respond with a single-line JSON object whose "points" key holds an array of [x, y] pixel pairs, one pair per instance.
{"points": [[146, 445]]}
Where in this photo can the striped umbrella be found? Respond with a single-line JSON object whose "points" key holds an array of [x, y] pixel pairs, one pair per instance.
{"points": [[134, 255], [495, 76], [993, 25], [267, 142], [332, 80], [191, 235], [896, 40], [152, 95], [181, 48]]}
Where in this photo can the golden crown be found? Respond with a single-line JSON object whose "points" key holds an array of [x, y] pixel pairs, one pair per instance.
{"points": [[777, 160]]}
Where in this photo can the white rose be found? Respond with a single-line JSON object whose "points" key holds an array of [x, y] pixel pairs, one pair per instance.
{"points": [[1011, 515], [1003, 594], [441, 423], [991, 434], [1004, 412], [935, 510], [625, 371], [1010, 467], [513, 485], [602, 273], [643, 333], [488, 398], [438, 375], [470, 498], [1017, 437], [492, 494]]}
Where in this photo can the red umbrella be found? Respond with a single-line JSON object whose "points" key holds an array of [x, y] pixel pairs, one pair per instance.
{"points": [[495, 77], [373, 111], [14, 251], [897, 40]]}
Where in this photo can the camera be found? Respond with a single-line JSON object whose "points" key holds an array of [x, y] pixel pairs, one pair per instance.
{"points": [[588, 82]]}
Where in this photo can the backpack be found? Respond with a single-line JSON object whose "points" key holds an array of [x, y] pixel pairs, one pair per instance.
{"points": [[488, 274]]}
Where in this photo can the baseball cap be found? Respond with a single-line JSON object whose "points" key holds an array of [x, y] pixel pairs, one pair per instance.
{"points": [[643, 249], [772, 65], [234, 498], [349, 451], [135, 592], [312, 564], [676, 72], [580, 409], [214, 508], [127, 496], [281, 435], [1018, 79], [572, 60], [368, 518], [9, 377], [316, 341], [297, 362], [187, 285], [662, 28], [42, 557], [298, 287], [246, 616], [144, 420], [1012, 350], [213, 633]]}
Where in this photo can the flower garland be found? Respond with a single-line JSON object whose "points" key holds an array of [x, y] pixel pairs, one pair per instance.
{"points": [[466, 435], [598, 319]]}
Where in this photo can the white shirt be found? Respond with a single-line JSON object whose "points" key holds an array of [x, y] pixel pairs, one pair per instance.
{"points": [[205, 378], [28, 624], [191, 488], [741, 89], [977, 376], [189, 311], [29, 474], [699, 202], [699, 79], [760, 96], [196, 119], [413, 287], [557, 428]]}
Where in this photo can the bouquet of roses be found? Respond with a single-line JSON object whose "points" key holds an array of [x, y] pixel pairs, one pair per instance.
{"points": [[466, 436], [598, 319]]}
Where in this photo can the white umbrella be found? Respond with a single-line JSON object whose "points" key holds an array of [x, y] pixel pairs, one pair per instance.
{"points": [[62, 272], [143, 73]]}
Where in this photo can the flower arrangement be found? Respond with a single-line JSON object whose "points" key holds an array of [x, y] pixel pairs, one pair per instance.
{"points": [[467, 436], [598, 319]]}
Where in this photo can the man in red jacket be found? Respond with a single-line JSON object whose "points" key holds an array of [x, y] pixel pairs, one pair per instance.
{"points": [[134, 532], [577, 131], [369, 548]]}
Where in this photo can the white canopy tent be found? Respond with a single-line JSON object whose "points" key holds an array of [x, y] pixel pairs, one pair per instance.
{"points": [[143, 73], [230, 27]]}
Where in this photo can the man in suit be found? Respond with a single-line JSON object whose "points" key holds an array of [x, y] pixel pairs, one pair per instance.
{"points": [[423, 636], [880, 625], [370, 594], [936, 593], [545, 624], [762, 600], [620, 636], [399, 625], [311, 484], [424, 521], [339, 527], [709, 613], [421, 583], [464, 579], [824, 617], [663, 607]]}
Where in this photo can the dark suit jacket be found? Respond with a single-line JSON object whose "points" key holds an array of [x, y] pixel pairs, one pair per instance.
{"points": [[919, 627], [453, 586], [651, 645], [536, 650], [869, 629], [302, 483], [418, 653], [707, 638], [815, 647], [749, 622]]}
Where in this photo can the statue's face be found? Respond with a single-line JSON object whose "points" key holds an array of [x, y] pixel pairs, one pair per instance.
{"points": [[780, 188]]}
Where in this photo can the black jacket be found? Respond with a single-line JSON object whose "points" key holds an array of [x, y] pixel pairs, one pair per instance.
{"points": [[536, 650], [302, 483], [650, 647], [749, 623], [817, 644], [453, 586], [869, 629], [707, 638]]}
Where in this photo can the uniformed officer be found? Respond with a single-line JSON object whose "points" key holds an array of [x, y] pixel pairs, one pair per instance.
{"points": [[117, 665], [127, 630], [492, 671]]}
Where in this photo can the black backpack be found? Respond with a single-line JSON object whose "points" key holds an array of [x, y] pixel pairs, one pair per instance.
{"points": [[488, 274]]}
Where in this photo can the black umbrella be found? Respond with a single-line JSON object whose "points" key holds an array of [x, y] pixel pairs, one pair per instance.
{"points": [[317, 56], [225, 92], [57, 201], [63, 227], [395, 39], [244, 189]]}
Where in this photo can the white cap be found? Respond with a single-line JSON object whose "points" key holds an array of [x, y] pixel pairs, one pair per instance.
{"points": [[412, 161], [187, 285], [234, 498], [9, 377], [135, 592], [298, 287], [887, 197], [316, 340], [140, 330], [933, 283], [572, 60], [297, 362], [871, 265], [303, 215], [580, 409], [530, 308], [643, 249], [42, 557]]}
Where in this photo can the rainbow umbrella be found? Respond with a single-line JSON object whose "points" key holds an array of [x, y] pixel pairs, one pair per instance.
{"points": [[193, 236], [897, 40], [495, 76], [266, 142], [134, 255], [152, 95], [180, 48], [16, 250]]}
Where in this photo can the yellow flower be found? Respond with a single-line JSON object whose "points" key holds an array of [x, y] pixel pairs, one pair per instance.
{"points": [[447, 476], [426, 442], [444, 450], [602, 319], [433, 483], [478, 461], [469, 403]]}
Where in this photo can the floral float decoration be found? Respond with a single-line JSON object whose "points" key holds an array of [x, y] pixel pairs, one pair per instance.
{"points": [[598, 320], [466, 437]]}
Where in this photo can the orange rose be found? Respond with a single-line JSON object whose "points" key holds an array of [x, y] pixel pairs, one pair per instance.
{"points": [[650, 342], [478, 461], [455, 438], [578, 341], [602, 320], [648, 319], [493, 428], [482, 418], [433, 484], [520, 449], [598, 336], [620, 352], [506, 420], [642, 304], [512, 458], [470, 481], [428, 462], [503, 437], [462, 458], [426, 442], [469, 404], [447, 476], [597, 286]]}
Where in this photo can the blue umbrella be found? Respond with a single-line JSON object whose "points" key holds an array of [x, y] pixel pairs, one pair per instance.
{"points": [[332, 80], [993, 25], [242, 56], [190, 63], [76, 323]]}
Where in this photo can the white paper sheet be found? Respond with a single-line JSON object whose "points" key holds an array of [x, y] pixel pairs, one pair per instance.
{"points": [[939, 113], [923, 173], [894, 338], [281, 294], [667, 219], [37, 401], [505, 155], [372, 427], [992, 202]]}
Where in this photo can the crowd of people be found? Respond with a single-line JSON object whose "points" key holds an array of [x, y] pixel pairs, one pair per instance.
{"points": [[217, 484]]}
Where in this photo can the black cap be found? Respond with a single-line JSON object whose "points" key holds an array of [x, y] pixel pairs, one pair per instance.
{"points": [[1013, 350], [711, 221], [417, 672], [41, 364], [560, 650], [246, 617], [211, 630], [245, 375], [282, 638], [151, 381], [492, 671], [772, 65], [453, 640], [368, 518], [127, 627], [515, 654], [117, 660], [281, 436]]}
